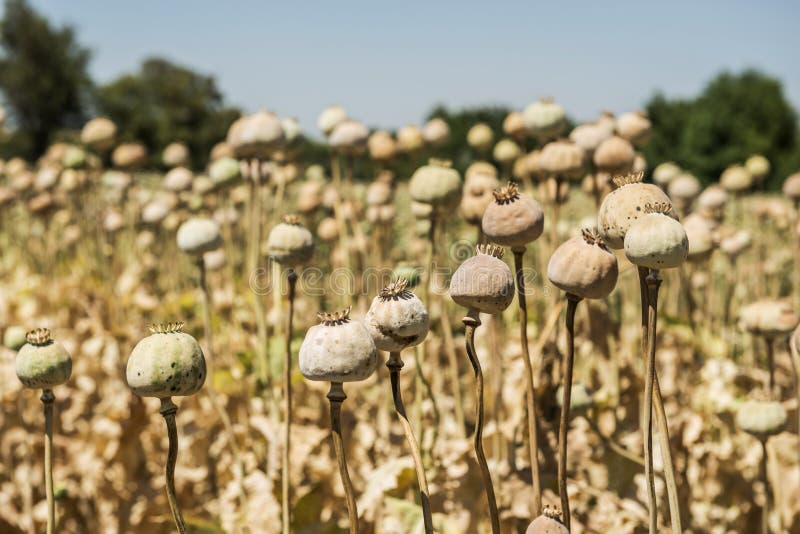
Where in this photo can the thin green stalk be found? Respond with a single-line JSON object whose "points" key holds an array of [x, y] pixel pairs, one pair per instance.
{"points": [[168, 410]]}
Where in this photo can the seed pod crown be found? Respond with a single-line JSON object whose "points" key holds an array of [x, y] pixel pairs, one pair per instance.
{"points": [[506, 194], [332, 319], [626, 179], [396, 290], [592, 236], [292, 219], [166, 328], [553, 512], [491, 250], [38, 336], [658, 207]]}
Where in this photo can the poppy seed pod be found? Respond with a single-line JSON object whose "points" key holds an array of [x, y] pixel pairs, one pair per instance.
{"points": [[129, 156], [381, 146], [178, 179], [477, 195], [758, 166], [338, 349], [762, 419], [42, 362], [483, 282], [514, 219], [562, 159], [289, 242], [199, 235], [480, 167], [409, 139], [166, 363], [736, 179], [544, 119], [506, 151], [588, 137], [615, 155], [735, 244], [712, 198], [436, 184], [256, 136], [225, 171], [328, 229], [769, 318], [330, 118], [701, 239], [397, 318], [14, 337], [656, 240], [664, 173], [584, 267], [175, 155], [99, 134], [550, 522], [625, 204], [436, 132], [791, 187], [480, 137], [349, 137], [634, 127], [514, 125]]}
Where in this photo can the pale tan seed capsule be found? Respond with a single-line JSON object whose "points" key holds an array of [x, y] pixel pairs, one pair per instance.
{"points": [[483, 282], [328, 229], [584, 267], [770, 318], [381, 146], [225, 171], [339, 349], [480, 137], [437, 184], [199, 235], [397, 318], [506, 151], [544, 119], [589, 136], [562, 159], [258, 135], [167, 363], [656, 240], [736, 179], [762, 419], [615, 155], [330, 118], [480, 167], [99, 134], [514, 219], [178, 179], [289, 242], [550, 522], [409, 139], [14, 337], [758, 166], [436, 132], [664, 173], [129, 156], [221, 150], [634, 127], [349, 137], [42, 363], [176, 155], [791, 187], [477, 195], [701, 237], [514, 125]]}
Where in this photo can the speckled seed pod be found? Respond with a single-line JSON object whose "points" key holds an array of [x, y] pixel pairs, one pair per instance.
{"points": [[615, 155], [736, 179], [480, 137], [42, 363], [338, 349], [436, 132], [562, 159], [289, 242], [256, 136], [483, 282], [397, 318], [330, 118], [167, 363], [656, 240], [624, 205], [544, 119], [199, 235], [550, 522], [768, 317], [436, 184], [762, 419], [175, 155], [664, 173], [99, 133], [514, 219], [584, 267]]}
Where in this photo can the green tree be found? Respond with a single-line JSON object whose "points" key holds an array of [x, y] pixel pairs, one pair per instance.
{"points": [[736, 116], [164, 102], [43, 77]]}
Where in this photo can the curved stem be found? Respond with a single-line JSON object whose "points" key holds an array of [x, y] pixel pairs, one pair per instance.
{"points": [[395, 365], [168, 410], [472, 321], [47, 399], [765, 480], [661, 418], [653, 281], [530, 392], [336, 397], [566, 391], [614, 446], [287, 407]]}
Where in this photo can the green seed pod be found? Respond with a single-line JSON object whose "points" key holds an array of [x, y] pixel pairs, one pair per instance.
{"points": [[166, 363], [14, 337], [436, 184], [43, 363]]}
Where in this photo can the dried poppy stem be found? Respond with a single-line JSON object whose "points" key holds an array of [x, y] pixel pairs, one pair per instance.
{"points": [[472, 321], [530, 397], [653, 281], [395, 365], [767, 489], [566, 388], [287, 407], [661, 419], [771, 364], [47, 399], [336, 396], [168, 410], [795, 359]]}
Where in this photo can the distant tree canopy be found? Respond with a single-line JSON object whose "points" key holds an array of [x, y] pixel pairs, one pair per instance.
{"points": [[43, 77], [163, 103], [736, 116]]}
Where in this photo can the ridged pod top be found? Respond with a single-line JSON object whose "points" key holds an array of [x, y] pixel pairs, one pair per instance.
{"points": [[38, 337], [506, 194], [626, 179], [335, 318], [490, 250]]}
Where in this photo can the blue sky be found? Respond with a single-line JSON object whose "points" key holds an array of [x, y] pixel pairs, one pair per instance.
{"points": [[388, 63]]}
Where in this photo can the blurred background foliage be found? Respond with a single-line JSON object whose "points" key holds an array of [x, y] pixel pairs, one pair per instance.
{"points": [[49, 94]]}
